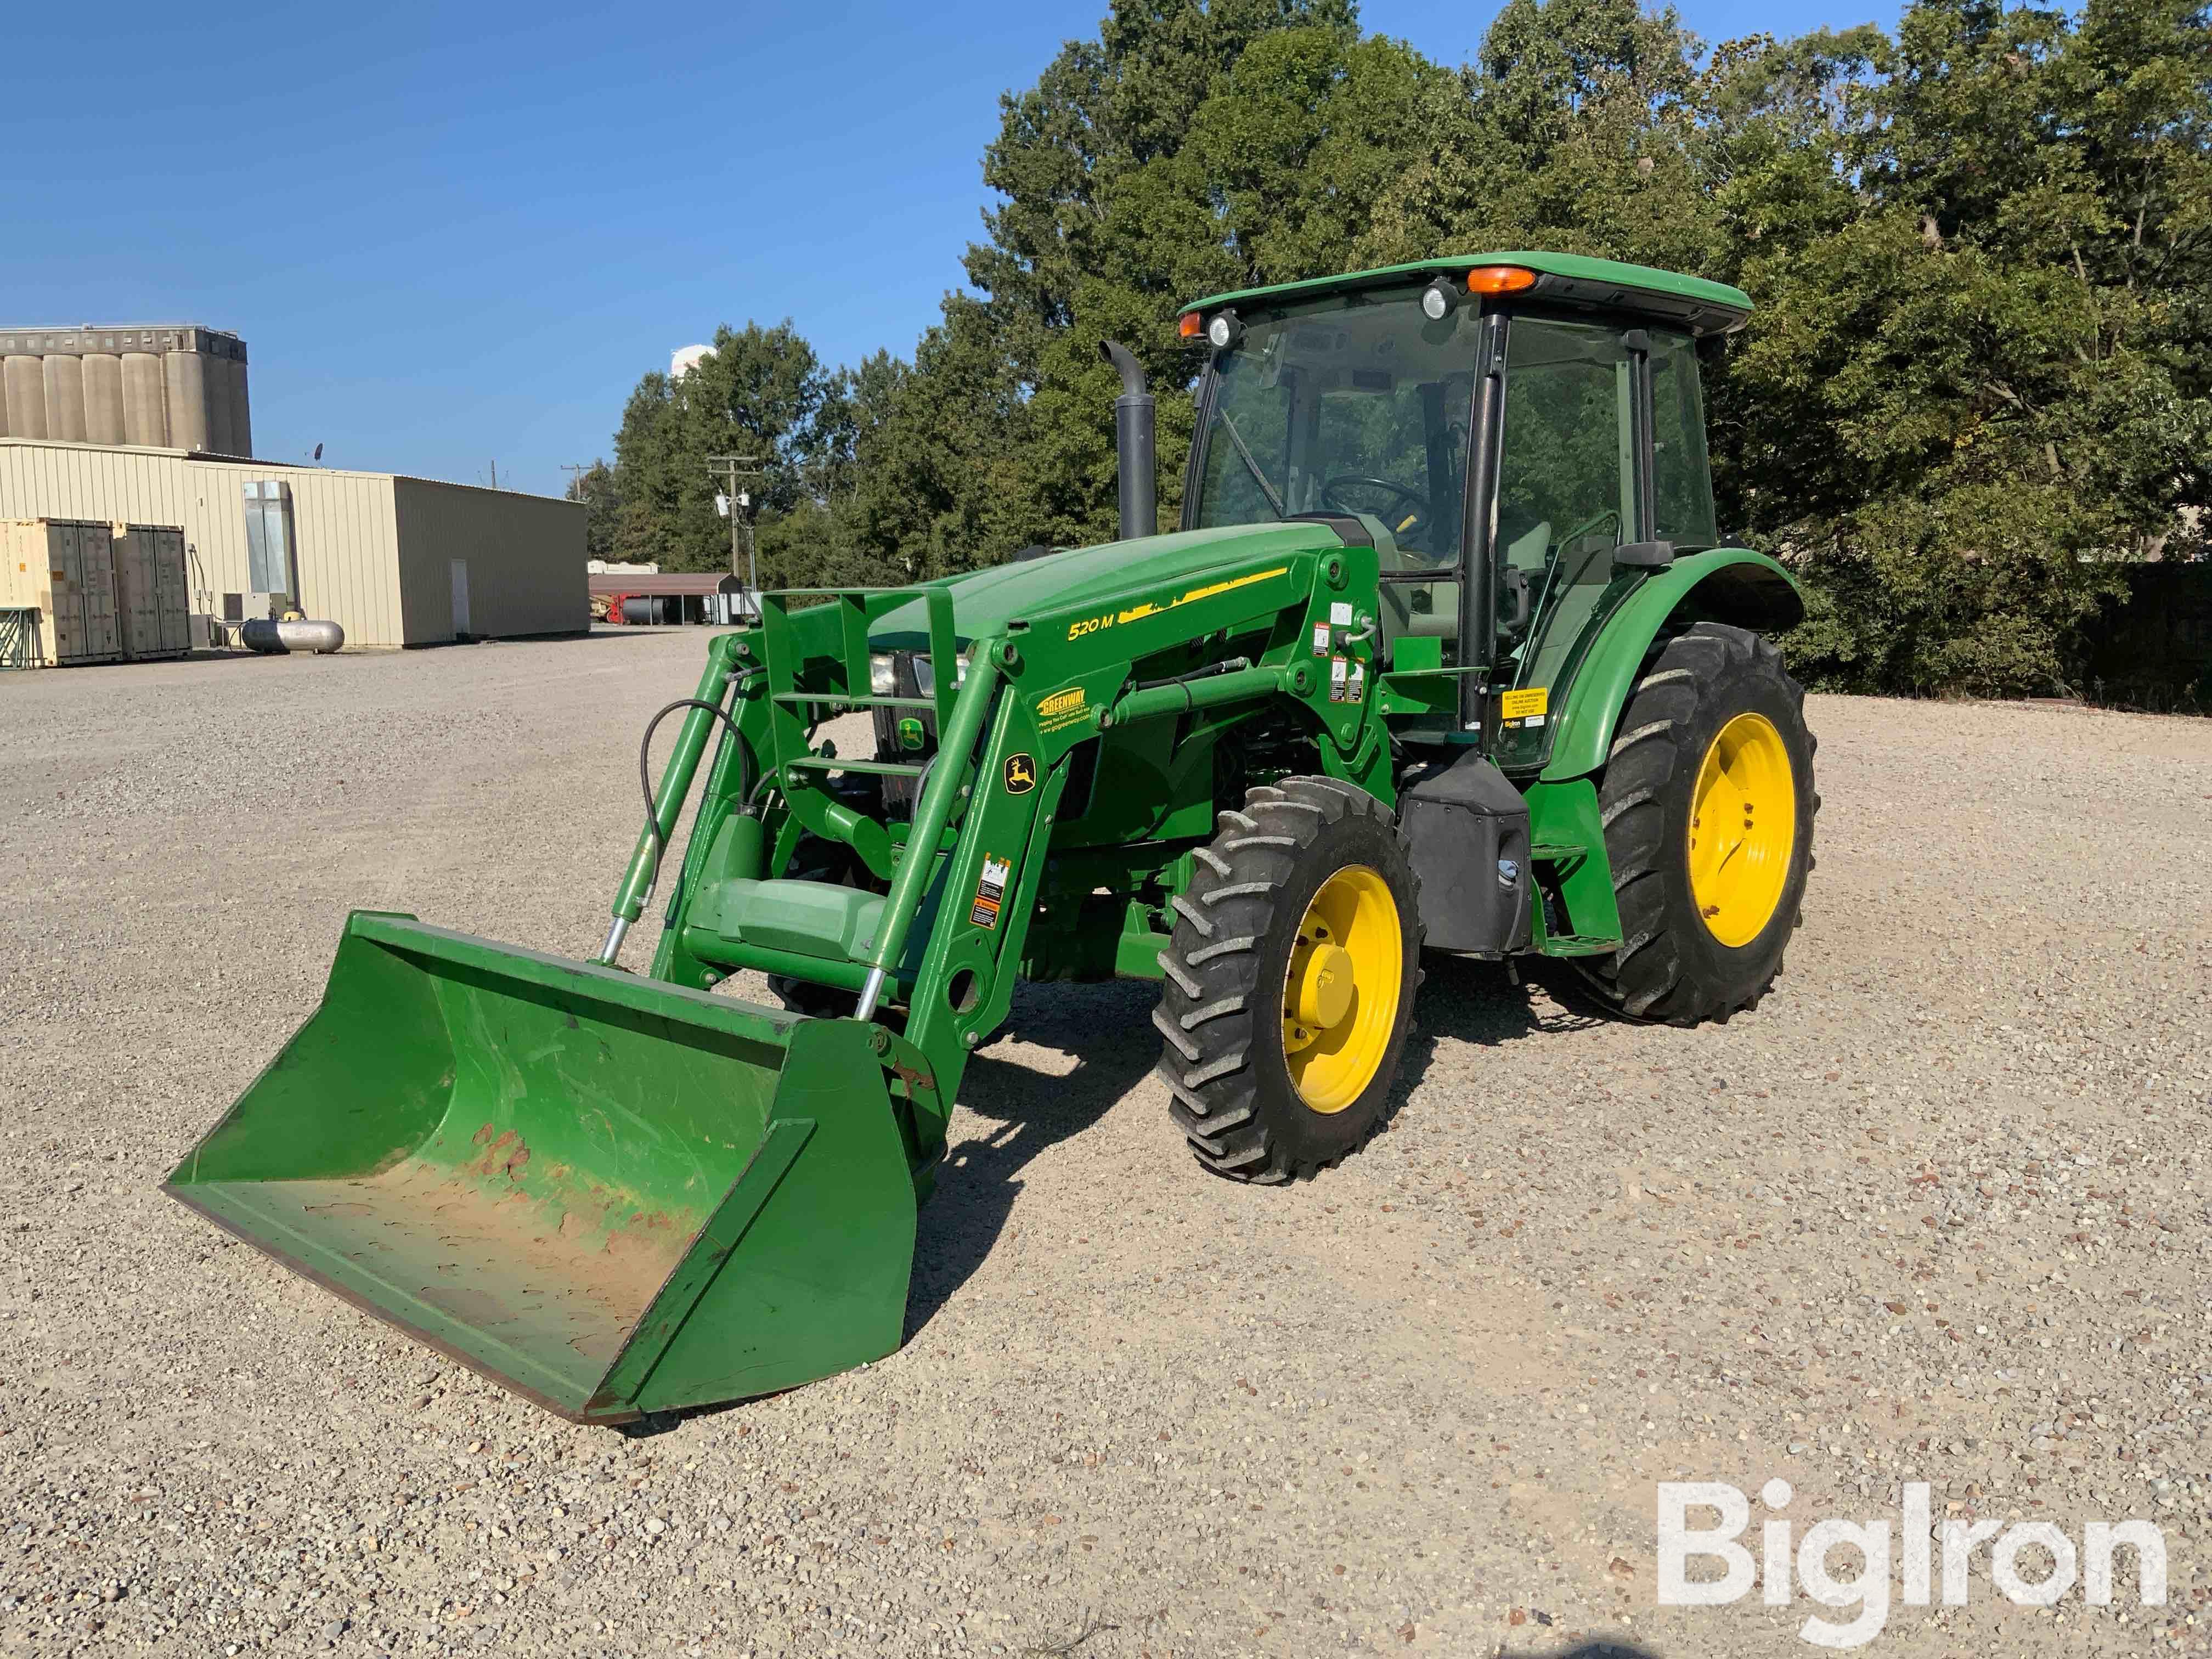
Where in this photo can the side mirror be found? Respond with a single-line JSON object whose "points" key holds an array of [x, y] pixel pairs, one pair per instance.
{"points": [[1643, 555]]}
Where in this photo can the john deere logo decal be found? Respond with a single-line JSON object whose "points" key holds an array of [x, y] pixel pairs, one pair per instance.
{"points": [[1021, 774]]}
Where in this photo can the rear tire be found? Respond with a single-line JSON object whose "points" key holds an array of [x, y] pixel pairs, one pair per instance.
{"points": [[1312, 876], [1706, 908]]}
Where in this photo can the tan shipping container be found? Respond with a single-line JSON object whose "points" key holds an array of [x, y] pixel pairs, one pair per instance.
{"points": [[64, 569], [150, 594]]}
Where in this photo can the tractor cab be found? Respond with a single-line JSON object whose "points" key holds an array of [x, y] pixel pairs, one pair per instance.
{"points": [[1519, 435]]}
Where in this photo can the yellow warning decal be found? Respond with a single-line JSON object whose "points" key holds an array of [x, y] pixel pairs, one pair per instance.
{"points": [[990, 892], [1519, 705]]}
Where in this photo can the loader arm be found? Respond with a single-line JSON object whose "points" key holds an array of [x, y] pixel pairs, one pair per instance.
{"points": [[933, 918]]}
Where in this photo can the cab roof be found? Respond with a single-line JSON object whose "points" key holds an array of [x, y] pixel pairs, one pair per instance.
{"points": [[1705, 307]]}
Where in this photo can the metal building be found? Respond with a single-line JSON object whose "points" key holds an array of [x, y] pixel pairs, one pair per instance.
{"points": [[163, 385], [670, 597], [394, 560]]}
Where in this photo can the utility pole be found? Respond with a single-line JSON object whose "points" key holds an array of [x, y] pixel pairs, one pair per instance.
{"points": [[575, 471], [736, 505]]}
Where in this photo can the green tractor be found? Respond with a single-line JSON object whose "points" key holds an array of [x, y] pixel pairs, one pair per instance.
{"points": [[1448, 654]]}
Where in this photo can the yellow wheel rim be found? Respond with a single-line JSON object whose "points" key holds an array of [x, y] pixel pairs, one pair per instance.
{"points": [[1340, 991], [1743, 827]]}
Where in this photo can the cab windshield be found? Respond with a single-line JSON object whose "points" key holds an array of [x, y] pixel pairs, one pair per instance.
{"points": [[1359, 408]]}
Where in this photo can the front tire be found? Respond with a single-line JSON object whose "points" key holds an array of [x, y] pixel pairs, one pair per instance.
{"points": [[1290, 980], [815, 1001], [1708, 804]]}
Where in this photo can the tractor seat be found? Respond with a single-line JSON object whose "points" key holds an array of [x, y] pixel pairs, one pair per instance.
{"points": [[1435, 612]]}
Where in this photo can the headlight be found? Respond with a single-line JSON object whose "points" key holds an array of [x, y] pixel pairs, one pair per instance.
{"points": [[1437, 300], [882, 679], [925, 675]]}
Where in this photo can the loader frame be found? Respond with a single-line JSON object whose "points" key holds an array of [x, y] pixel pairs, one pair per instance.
{"points": [[952, 937]]}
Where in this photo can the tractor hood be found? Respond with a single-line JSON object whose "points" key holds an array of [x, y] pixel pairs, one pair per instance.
{"points": [[984, 601]]}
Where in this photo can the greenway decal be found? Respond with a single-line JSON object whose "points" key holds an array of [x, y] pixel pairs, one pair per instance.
{"points": [[1062, 709]]}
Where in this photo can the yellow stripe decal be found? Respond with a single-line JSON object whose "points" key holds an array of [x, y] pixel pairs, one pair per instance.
{"points": [[1198, 593], [1137, 612]]}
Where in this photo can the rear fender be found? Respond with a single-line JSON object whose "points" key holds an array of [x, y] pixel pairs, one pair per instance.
{"points": [[1723, 584]]}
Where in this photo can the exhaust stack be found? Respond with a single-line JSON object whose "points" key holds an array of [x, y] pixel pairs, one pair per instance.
{"points": [[1134, 445]]}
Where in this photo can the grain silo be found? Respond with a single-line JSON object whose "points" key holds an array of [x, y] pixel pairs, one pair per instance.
{"points": [[154, 386]]}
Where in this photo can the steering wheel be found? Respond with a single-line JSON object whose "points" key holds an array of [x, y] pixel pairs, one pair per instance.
{"points": [[1421, 515]]}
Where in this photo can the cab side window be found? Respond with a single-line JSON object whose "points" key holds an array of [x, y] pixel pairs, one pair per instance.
{"points": [[1565, 480], [1681, 478], [1563, 466]]}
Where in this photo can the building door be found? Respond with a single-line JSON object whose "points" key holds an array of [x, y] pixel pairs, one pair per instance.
{"points": [[271, 551], [88, 559], [134, 592], [171, 600], [460, 598], [66, 553]]}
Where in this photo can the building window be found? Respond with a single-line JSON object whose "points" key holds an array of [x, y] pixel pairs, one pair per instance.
{"points": [[271, 565]]}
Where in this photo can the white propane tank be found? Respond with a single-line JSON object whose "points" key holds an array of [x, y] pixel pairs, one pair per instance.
{"points": [[274, 639]]}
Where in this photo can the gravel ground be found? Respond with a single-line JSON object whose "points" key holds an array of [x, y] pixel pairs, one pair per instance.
{"points": [[1937, 1213]]}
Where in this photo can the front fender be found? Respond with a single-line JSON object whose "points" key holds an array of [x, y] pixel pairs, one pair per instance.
{"points": [[1723, 584]]}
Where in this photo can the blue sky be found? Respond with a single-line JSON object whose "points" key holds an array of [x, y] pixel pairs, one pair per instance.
{"points": [[456, 236]]}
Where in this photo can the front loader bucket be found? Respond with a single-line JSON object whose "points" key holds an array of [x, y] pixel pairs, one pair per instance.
{"points": [[608, 1193]]}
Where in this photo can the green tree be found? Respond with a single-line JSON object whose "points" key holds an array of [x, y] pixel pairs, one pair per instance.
{"points": [[1191, 148], [595, 487], [1976, 382], [758, 394], [941, 479], [1986, 390]]}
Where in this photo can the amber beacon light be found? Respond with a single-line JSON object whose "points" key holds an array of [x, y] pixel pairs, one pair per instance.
{"points": [[1499, 279]]}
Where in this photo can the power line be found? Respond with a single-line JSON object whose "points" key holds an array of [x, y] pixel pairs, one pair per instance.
{"points": [[738, 507]]}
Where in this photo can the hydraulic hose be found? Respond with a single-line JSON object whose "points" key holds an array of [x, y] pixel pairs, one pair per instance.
{"points": [[659, 840], [644, 774], [1226, 665]]}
